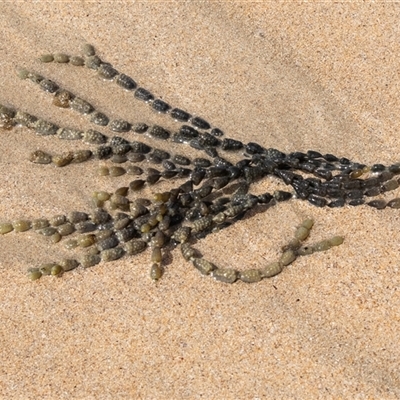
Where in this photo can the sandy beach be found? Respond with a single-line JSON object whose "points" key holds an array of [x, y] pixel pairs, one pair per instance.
{"points": [[290, 76]]}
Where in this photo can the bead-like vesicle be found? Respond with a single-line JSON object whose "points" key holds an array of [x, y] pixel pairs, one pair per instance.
{"points": [[21, 225], [226, 275], [271, 270], [250, 276], [6, 227]]}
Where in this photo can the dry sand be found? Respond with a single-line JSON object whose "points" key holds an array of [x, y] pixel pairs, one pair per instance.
{"points": [[291, 76]]}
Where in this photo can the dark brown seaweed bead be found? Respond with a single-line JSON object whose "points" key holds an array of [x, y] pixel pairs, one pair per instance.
{"points": [[221, 162], [216, 132], [375, 191], [353, 184], [108, 243], [119, 125], [207, 140], [314, 154], [136, 184], [168, 165], [24, 119], [99, 118], [139, 147], [153, 158], [378, 204], [40, 157], [344, 161], [370, 182], [201, 162], [106, 71], [215, 172], [168, 174], [100, 216], [160, 106], [48, 86], [81, 106], [200, 123], [337, 203], [180, 115], [385, 176], [197, 176], [254, 148], [93, 62], [378, 168], [85, 226], [202, 192], [134, 170], [231, 144], [390, 185], [139, 127], [93, 137], [323, 173], [112, 254], [219, 183], [281, 195], [317, 201], [125, 82], [135, 157], [356, 202], [181, 160], [117, 140], [69, 134], [183, 172], [103, 152], [158, 132], [187, 187], [153, 178], [394, 203], [395, 169], [265, 198], [121, 149], [354, 194], [189, 132], [45, 128], [330, 157], [162, 154], [143, 94]]}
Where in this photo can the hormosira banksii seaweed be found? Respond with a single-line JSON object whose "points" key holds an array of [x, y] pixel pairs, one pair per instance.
{"points": [[209, 185]]}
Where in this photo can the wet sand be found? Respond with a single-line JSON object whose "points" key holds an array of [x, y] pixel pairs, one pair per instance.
{"points": [[293, 77]]}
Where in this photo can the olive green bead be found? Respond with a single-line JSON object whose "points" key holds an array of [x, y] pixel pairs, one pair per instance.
{"points": [[40, 223], [34, 274], [90, 260], [250, 276], [6, 227], [56, 270], [46, 58], [204, 266], [271, 270], [135, 246], [68, 264], [226, 275], [156, 272], [112, 254], [156, 255], [287, 257], [188, 252], [301, 233]]}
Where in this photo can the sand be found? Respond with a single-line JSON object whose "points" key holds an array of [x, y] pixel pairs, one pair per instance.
{"points": [[291, 76]]}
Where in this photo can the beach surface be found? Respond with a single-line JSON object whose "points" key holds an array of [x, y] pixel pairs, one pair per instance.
{"points": [[290, 76]]}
